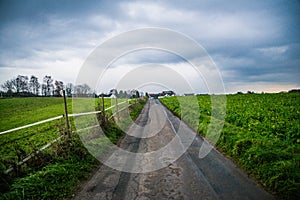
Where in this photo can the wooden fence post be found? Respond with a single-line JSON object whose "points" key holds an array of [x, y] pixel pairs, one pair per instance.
{"points": [[66, 115]]}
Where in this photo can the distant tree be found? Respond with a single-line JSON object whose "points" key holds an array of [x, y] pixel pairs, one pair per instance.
{"points": [[137, 94], [17, 84], [78, 90], [59, 86], [34, 85], [49, 85], [86, 89], [23, 83], [94, 94], [294, 90], [44, 89], [121, 94], [125, 94], [8, 85], [69, 89], [52, 90], [82, 90]]}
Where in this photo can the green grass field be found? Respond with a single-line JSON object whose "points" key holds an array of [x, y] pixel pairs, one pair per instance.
{"points": [[56, 172], [16, 112], [261, 132]]}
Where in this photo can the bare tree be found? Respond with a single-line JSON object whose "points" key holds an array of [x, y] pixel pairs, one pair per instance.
{"points": [[17, 84], [59, 86], [44, 89], [86, 89], [34, 85], [82, 90], [22, 86], [21, 83], [78, 90], [8, 87], [24, 83], [49, 84], [69, 89], [125, 94], [121, 94]]}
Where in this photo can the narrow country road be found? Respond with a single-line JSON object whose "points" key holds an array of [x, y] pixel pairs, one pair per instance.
{"points": [[188, 177]]}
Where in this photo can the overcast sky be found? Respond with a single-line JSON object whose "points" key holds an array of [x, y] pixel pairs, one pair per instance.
{"points": [[255, 44]]}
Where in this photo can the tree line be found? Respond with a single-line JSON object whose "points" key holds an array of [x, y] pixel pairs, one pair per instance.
{"points": [[24, 86], [133, 93]]}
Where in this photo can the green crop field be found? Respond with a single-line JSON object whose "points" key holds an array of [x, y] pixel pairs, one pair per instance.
{"points": [[261, 132]]}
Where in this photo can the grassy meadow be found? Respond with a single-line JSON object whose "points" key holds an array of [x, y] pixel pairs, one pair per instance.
{"points": [[66, 161]]}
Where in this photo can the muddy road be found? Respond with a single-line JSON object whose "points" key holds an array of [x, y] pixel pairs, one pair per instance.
{"points": [[188, 177]]}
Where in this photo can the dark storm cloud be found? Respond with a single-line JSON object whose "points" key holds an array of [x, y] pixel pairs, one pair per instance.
{"points": [[28, 27], [36, 10], [251, 41]]}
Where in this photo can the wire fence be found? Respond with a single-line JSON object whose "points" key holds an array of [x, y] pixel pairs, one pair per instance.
{"points": [[60, 137], [33, 124]]}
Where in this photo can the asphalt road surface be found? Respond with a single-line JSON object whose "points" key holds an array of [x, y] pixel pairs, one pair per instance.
{"points": [[188, 177]]}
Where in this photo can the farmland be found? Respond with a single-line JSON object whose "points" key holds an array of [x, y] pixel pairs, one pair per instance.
{"points": [[17, 112], [67, 154], [261, 132]]}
